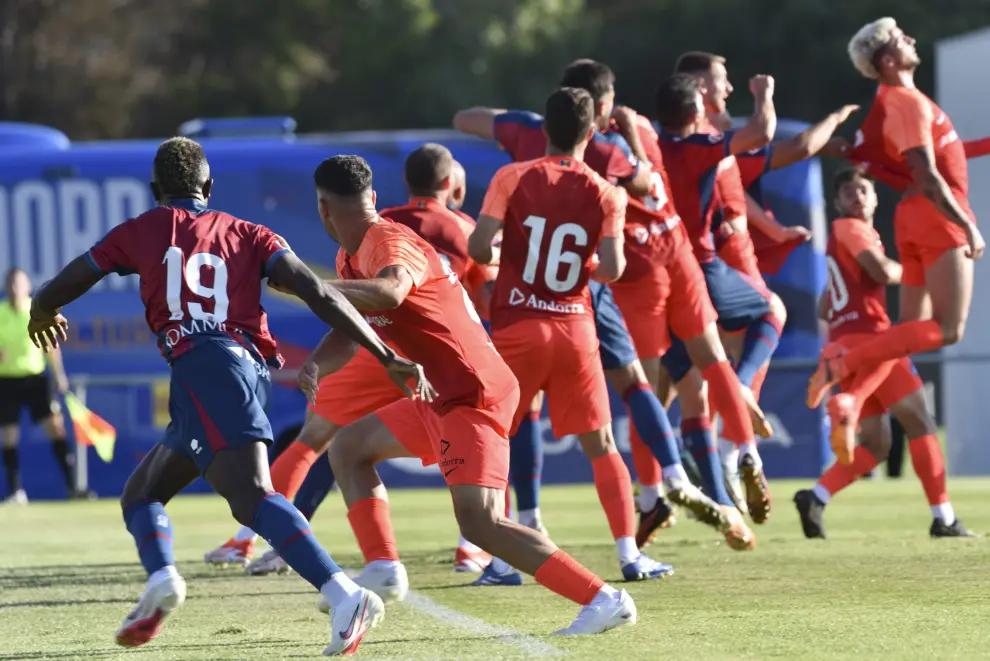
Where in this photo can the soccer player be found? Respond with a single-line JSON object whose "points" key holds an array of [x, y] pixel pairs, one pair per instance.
{"points": [[201, 274], [854, 304], [521, 134], [934, 227], [362, 387], [412, 298]]}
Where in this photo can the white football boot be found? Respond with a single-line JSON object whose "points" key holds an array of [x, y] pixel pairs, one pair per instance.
{"points": [[269, 563], [386, 578], [231, 552], [602, 614], [351, 619], [164, 593]]}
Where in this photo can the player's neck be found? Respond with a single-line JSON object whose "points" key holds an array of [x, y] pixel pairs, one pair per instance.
{"points": [[352, 232], [681, 132], [577, 153], [902, 78], [435, 197]]}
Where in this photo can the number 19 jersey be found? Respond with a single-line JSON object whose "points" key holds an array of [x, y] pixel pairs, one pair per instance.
{"points": [[555, 210]]}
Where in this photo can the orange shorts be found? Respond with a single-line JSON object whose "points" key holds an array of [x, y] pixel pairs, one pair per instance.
{"points": [[470, 445], [644, 307], [738, 252], [559, 357], [902, 381], [923, 235], [360, 388], [689, 309]]}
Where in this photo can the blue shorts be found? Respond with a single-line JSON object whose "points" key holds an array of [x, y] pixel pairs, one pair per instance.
{"points": [[739, 302], [615, 344], [217, 398]]}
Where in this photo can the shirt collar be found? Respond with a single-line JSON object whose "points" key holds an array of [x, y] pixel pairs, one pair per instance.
{"points": [[189, 204]]}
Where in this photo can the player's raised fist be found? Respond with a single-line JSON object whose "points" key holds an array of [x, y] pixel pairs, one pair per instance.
{"points": [[402, 371], [761, 85], [843, 113]]}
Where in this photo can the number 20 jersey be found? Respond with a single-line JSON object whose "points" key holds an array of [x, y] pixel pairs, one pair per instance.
{"points": [[555, 210], [857, 303], [201, 273]]}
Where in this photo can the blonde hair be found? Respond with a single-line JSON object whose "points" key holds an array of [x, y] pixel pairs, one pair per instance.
{"points": [[867, 42]]}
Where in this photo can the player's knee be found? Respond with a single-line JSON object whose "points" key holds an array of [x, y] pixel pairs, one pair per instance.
{"points": [[478, 524], [244, 505], [133, 492], [917, 423], [348, 448], [953, 333], [597, 443], [317, 433], [877, 445], [777, 309], [625, 377]]}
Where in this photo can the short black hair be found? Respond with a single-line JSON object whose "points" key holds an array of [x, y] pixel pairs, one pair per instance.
{"points": [[676, 100], [345, 175], [181, 167], [697, 61], [427, 167], [569, 115], [592, 76], [849, 175]]}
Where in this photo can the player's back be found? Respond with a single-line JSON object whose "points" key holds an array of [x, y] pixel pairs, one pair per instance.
{"points": [[436, 325], [557, 210], [439, 226], [200, 272], [857, 302]]}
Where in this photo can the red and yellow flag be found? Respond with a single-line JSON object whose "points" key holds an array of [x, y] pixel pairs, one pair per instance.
{"points": [[91, 429]]}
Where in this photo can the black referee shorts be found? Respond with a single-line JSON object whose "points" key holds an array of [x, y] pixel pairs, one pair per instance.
{"points": [[31, 392]]}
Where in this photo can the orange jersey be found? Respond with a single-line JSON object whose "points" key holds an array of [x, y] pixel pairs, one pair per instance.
{"points": [[436, 325], [857, 303], [903, 118], [555, 210]]}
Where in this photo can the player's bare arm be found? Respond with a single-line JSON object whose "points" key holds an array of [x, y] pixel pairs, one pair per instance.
{"points": [[386, 291], [931, 184], [761, 220], [808, 143], [824, 306], [641, 184], [47, 327], [478, 121], [879, 267], [480, 243], [625, 120], [762, 126], [611, 260], [333, 352]]}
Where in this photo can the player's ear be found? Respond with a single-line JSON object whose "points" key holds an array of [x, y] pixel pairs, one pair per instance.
{"points": [[591, 133], [445, 183], [208, 188], [374, 197]]}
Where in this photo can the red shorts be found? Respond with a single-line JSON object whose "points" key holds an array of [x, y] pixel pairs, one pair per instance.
{"points": [[643, 304], [359, 389], [902, 381], [470, 445], [738, 252], [689, 309], [923, 235], [559, 357]]}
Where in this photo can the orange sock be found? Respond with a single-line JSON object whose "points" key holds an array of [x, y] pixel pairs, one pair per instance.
{"points": [[929, 466], [615, 493], [647, 467], [569, 578], [840, 476], [372, 525], [737, 426], [900, 340], [290, 469], [759, 380]]}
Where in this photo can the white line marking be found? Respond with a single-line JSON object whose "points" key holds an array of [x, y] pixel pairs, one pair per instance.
{"points": [[533, 647]]}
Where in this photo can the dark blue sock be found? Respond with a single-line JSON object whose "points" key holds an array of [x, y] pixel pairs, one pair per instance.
{"points": [[151, 529], [700, 442], [318, 483], [526, 461], [288, 532], [652, 424], [761, 341]]}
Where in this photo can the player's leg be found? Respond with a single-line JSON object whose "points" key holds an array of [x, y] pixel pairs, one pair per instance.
{"points": [[46, 412], [10, 435], [526, 467], [875, 445]]}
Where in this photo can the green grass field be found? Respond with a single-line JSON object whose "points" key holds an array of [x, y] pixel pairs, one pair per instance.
{"points": [[879, 588]]}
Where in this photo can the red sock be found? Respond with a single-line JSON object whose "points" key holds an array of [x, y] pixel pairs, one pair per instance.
{"points": [[840, 476], [615, 493], [290, 469], [737, 426], [759, 380], [372, 525], [647, 467], [900, 340], [567, 577], [929, 466]]}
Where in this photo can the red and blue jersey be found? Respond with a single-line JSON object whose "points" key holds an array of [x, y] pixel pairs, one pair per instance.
{"points": [[520, 133], [201, 273]]}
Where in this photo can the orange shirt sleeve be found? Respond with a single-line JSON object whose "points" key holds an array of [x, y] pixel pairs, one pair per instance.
{"points": [[341, 256], [496, 203], [383, 247], [614, 201], [908, 120], [855, 236]]}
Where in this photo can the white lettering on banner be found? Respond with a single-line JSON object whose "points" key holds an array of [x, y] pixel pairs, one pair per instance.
{"points": [[46, 224]]}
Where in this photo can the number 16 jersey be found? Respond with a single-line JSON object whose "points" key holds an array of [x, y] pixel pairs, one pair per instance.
{"points": [[555, 210]]}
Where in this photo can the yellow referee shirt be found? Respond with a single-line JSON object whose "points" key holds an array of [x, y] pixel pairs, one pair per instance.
{"points": [[18, 355]]}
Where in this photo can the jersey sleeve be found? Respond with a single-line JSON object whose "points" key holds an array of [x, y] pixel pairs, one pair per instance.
{"points": [[511, 127], [271, 247], [395, 250], [622, 163], [115, 252], [754, 164], [614, 201], [908, 120], [496, 202], [706, 151], [855, 237]]}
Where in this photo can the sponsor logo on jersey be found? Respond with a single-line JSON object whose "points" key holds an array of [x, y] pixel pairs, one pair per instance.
{"points": [[516, 298], [192, 327]]}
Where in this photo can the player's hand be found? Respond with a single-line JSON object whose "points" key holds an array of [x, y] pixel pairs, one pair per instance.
{"points": [[47, 329], [402, 371], [976, 243], [796, 232], [837, 147], [309, 381], [843, 113], [761, 85]]}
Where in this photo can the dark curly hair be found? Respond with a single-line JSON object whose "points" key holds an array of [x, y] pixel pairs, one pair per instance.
{"points": [[180, 167]]}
